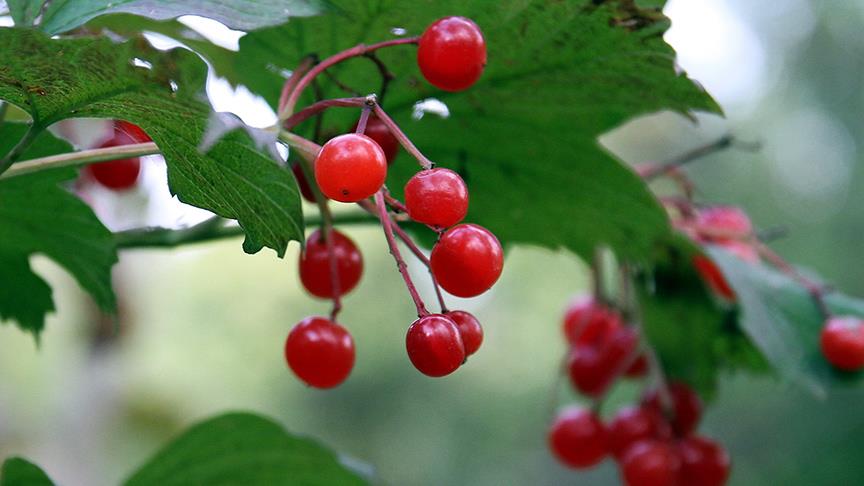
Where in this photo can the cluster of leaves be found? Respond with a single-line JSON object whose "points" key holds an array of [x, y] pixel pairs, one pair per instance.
{"points": [[525, 140], [235, 448]]}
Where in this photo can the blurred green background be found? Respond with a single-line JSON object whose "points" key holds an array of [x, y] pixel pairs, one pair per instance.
{"points": [[201, 328]]}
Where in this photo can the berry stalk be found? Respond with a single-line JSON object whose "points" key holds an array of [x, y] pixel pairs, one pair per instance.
{"points": [[291, 83], [394, 250], [402, 138]]}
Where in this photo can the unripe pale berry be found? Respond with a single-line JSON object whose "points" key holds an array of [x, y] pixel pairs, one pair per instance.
{"points": [[452, 53], [320, 352], [350, 167]]}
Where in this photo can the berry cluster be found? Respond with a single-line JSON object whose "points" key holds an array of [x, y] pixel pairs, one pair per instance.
{"points": [[122, 174], [466, 260], [842, 337], [654, 442]]}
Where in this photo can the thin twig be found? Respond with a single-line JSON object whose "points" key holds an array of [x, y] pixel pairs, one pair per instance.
{"points": [[816, 290], [320, 106], [402, 138]]}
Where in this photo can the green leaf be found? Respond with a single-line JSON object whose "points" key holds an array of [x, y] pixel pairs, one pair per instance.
{"points": [[42, 217], [241, 448], [782, 320], [93, 77], [695, 339], [65, 15], [20, 472], [24, 12], [524, 137]]}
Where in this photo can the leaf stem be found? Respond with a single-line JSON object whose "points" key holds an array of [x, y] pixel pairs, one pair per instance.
{"points": [[82, 157], [358, 50], [6, 162], [817, 291], [384, 217]]}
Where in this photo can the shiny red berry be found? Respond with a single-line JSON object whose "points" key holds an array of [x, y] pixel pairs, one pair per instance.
{"points": [[588, 321], [437, 197], [634, 424], [119, 174], [578, 438], [315, 264], [713, 277], [320, 352], [686, 407], [842, 342], [651, 463], [434, 345], [350, 167], [703, 462], [133, 131], [723, 222], [378, 131], [469, 329], [467, 260], [593, 368], [303, 183], [452, 53]]}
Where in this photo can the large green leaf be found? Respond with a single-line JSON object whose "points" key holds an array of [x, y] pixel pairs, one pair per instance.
{"points": [[20, 472], [781, 318], [41, 217], [57, 79], [241, 448], [24, 12], [525, 136], [694, 338], [64, 15]]}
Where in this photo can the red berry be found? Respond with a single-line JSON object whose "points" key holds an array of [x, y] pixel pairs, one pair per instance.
{"points": [[703, 462], [469, 329], [315, 264], [378, 131], [713, 277], [686, 407], [638, 368], [452, 53], [437, 197], [467, 260], [119, 174], [723, 223], [651, 463], [842, 342], [350, 168], [578, 438], [434, 345], [588, 321], [320, 352], [303, 183], [593, 368], [634, 424], [132, 130]]}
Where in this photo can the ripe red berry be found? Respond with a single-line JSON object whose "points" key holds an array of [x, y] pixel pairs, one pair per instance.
{"points": [[651, 463], [588, 321], [578, 438], [320, 352], [593, 368], [703, 462], [350, 167], [378, 131], [132, 130], [467, 260], [842, 342], [302, 183], [437, 197], [434, 345], [315, 264], [634, 424], [713, 277], [723, 223], [119, 174], [638, 368], [452, 53], [686, 407], [469, 329]]}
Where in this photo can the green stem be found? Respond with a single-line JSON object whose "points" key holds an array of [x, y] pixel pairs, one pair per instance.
{"points": [[209, 230], [19, 148], [82, 157]]}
